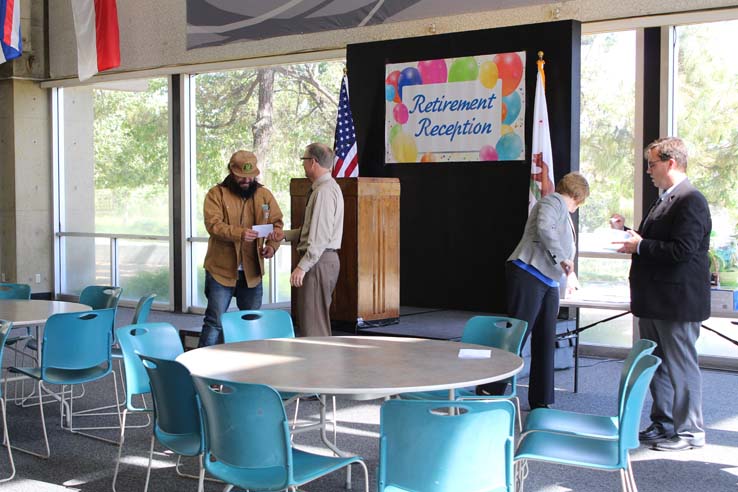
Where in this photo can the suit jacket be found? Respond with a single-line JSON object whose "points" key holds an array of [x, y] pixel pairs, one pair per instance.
{"points": [[548, 238], [670, 277]]}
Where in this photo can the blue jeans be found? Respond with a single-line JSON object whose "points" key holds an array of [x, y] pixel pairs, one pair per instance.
{"points": [[219, 298]]}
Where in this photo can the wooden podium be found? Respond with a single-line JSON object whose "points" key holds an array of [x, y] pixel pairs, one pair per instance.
{"points": [[368, 286]]}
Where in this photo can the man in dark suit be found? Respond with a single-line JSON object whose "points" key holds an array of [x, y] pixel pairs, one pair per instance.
{"points": [[670, 295]]}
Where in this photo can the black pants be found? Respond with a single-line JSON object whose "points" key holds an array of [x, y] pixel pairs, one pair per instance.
{"points": [[531, 300]]}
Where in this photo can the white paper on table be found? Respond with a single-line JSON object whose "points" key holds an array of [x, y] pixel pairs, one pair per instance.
{"points": [[474, 354], [263, 229]]}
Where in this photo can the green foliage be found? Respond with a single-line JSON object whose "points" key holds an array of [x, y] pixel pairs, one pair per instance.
{"points": [[147, 282], [606, 127], [303, 102], [131, 137]]}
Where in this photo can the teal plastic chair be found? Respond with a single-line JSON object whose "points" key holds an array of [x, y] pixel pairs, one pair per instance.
{"points": [[14, 291], [583, 424], [247, 439], [177, 421], [140, 315], [589, 452], [75, 350], [143, 308], [100, 296], [5, 327], [153, 339], [425, 447], [492, 331], [244, 326]]}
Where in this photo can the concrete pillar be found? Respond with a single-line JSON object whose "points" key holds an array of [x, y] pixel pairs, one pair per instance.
{"points": [[26, 187]]}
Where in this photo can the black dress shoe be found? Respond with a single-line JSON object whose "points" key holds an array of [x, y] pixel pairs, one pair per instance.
{"points": [[533, 406], [678, 443], [653, 433]]}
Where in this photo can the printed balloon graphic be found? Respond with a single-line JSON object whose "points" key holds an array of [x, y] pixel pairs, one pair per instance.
{"points": [[394, 131], [408, 76], [400, 113], [513, 104], [404, 148], [392, 79], [503, 111], [433, 71], [510, 69], [505, 129], [488, 153], [389, 92], [463, 69], [428, 157], [488, 74], [509, 147]]}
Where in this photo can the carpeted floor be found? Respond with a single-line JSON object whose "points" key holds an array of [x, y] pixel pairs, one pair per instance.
{"points": [[80, 463]]}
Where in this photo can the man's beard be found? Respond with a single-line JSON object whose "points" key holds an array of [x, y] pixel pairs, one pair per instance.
{"points": [[236, 189]]}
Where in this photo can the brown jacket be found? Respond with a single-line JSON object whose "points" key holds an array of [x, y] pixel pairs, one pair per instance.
{"points": [[227, 216]]}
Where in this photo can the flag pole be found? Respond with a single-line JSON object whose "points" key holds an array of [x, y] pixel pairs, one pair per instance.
{"points": [[540, 64]]}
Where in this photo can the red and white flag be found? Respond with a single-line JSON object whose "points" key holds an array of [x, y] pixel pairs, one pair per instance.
{"points": [[98, 42], [541, 166]]}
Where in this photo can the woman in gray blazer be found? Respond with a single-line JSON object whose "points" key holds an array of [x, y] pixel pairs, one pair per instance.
{"points": [[545, 253]]}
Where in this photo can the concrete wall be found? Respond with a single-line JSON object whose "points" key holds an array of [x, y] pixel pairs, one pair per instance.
{"points": [[26, 203], [153, 34]]}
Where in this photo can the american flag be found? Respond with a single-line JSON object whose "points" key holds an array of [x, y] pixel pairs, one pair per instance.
{"points": [[346, 163]]}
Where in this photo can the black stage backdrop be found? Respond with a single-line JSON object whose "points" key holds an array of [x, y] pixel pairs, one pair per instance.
{"points": [[460, 221]]}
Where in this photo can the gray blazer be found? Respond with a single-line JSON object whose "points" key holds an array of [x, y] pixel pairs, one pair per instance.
{"points": [[548, 238]]}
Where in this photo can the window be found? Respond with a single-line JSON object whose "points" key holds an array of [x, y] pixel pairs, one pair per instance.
{"points": [[274, 112], [114, 210], [706, 117], [606, 159]]}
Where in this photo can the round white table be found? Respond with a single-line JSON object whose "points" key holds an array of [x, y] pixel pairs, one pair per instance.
{"points": [[359, 368], [354, 367], [24, 312]]}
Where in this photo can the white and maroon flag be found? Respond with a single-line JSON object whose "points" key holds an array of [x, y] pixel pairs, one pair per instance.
{"points": [[98, 43], [346, 162], [541, 166]]}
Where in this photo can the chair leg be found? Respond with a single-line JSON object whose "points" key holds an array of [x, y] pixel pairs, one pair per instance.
{"points": [[201, 480], [79, 430], [148, 468], [631, 476], [6, 442], [366, 474], [517, 410], [521, 473], [297, 408], [43, 427], [228, 488], [120, 446]]}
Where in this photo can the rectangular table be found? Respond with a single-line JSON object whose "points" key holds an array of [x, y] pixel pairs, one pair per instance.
{"points": [[585, 299]]}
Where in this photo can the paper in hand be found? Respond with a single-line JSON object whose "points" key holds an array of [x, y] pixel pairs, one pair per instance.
{"points": [[263, 229]]}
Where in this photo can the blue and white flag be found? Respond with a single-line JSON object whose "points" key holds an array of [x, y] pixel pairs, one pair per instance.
{"points": [[346, 163], [10, 41]]}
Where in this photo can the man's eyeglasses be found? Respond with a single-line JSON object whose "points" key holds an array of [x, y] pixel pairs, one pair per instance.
{"points": [[306, 158], [651, 164]]}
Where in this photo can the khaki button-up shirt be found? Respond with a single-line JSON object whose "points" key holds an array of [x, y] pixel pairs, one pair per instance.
{"points": [[323, 225]]}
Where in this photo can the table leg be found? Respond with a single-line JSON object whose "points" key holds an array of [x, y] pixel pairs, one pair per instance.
{"points": [[328, 443]]}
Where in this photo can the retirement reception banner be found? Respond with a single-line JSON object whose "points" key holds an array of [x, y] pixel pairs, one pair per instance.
{"points": [[456, 109]]}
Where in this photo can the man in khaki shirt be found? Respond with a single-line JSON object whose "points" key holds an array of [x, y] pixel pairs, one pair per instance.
{"points": [[234, 262], [318, 241]]}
